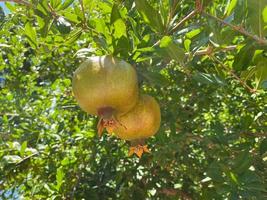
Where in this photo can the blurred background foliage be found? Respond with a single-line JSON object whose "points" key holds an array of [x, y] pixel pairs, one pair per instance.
{"points": [[206, 65]]}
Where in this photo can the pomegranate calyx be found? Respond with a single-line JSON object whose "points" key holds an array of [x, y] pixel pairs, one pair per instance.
{"points": [[138, 150]]}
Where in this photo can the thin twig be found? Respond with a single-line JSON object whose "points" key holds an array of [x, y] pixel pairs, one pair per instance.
{"points": [[209, 50], [26, 158], [243, 83], [198, 9], [52, 11], [187, 17], [238, 29], [258, 134]]}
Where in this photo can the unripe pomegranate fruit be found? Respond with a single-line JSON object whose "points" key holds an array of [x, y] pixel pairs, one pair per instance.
{"points": [[105, 86], [141, 122]]}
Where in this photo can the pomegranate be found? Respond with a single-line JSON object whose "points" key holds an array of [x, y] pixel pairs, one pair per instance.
{"points": [[139, 123], [105, 86]]}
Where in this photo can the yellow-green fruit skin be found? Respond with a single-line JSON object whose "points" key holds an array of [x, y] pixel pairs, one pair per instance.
{"points": [[141, 122], [105, 81]]}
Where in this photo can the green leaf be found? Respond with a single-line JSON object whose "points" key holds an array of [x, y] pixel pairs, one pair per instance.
{"points": [[66, 4], [100, 26], [146, 49], [2, 14], [187, 43], [115, 14], [233, 177], [214, 172], [60, 178], [122, 47], [55, 3], [71, 17], [46, 27], [165, 41], [120, 28], [230, 6], [261, 74], [42, 7], [5, 46], [149, 14], [264, 14], [239, 11], [193, 33], [23, 148], [30, 32], [12, 159], [244, 57], [171, 49], [263, 146], [210, 79], [255, 19], [74, 35], [10, 6], [155, 78], [242, 162]]}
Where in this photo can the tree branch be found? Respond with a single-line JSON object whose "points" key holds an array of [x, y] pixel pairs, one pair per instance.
{"points": [[198, 9], [257, 134], [239, 29], [243, 83]]}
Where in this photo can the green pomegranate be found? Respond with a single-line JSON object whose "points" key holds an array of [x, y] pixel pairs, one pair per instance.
{"points": [[105, 86]]}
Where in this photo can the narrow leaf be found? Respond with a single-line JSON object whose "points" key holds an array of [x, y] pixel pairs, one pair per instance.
{"points": [[261, 75], [12, 159], [30, 32], [74, 35], [66, 4], [243, 58], [263, 146], [115, 14], [230, 6], [120, 28], [167, 46], [60, 177], [149, 14], [155, 78], [23, 148], [264, 14]]}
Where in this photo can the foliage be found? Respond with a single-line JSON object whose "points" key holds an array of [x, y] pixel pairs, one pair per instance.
{"points": [[212, 141]]}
